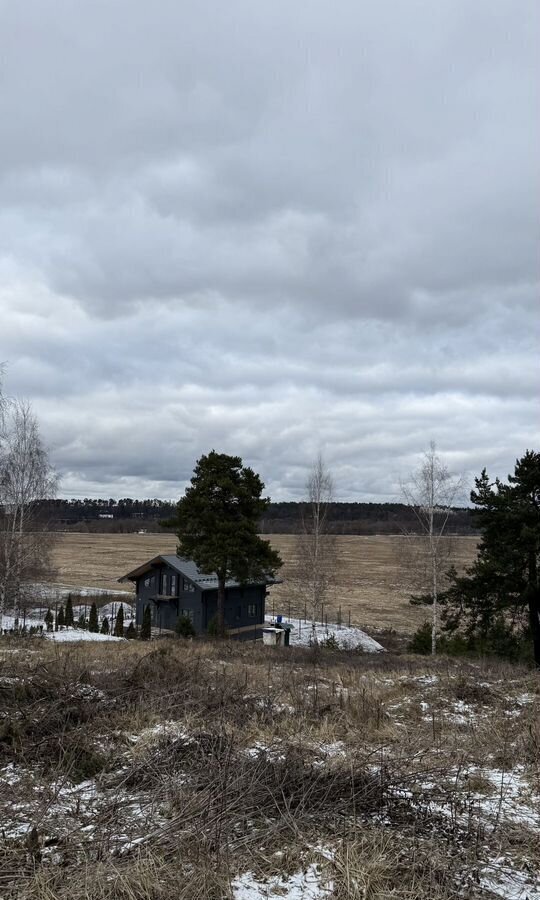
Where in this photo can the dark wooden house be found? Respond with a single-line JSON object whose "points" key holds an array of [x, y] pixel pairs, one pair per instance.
{"points": [[172, 587]]}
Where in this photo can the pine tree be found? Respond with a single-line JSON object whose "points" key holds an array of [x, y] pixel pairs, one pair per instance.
{"points": [[61, 619], [146, 628], [105, 626], [131, 632], [93, 624], [119, 624], [82, 623], [69, 612], [501, 590], [217, 521], [49, 620]]}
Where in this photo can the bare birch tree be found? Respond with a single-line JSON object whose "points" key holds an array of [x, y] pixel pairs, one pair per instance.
{"points": [[431, 491], [315, 567], [26, 478]]}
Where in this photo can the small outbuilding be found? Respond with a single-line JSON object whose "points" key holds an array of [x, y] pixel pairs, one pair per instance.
{"points": [[173, 586]]}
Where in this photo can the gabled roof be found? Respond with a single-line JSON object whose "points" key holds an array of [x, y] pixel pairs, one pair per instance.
{"points": [[188, 569]]}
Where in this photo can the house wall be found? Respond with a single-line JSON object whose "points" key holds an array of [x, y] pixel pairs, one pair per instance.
{"points": [[165, 615], [237, 607], [244, 607]]}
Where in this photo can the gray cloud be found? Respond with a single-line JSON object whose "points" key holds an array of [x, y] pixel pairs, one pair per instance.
{"points": [[270, 229]]}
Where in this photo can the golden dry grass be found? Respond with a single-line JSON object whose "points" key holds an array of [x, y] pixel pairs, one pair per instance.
{"points": [[373, 582]]}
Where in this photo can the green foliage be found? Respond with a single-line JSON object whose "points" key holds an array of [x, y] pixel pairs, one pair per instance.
{"points": [[119, 623], [217, 520], [69, 612], [60, 618], [184, 627], [330, 643], [421, 599], [213, 629], [131, 632], [498, 598], [49, 620], [93, 624], [105, 626], [421, 640], [146, 628], [81, 622]]}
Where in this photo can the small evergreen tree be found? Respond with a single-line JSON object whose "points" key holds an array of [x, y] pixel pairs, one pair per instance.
{"points": [[49, 620], [184, 627], [146, 628], [131, 632], [105, 626], [82, 623], [93, 624], [119, 624], [60, 618], [421, 640], [69, 612]]}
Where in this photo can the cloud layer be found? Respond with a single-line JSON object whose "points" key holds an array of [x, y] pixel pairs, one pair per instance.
{"points": [[271, 230]]}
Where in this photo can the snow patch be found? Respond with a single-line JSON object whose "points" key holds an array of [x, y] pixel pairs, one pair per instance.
{"points": [[78, 634], [304, 885], [303, 634]]}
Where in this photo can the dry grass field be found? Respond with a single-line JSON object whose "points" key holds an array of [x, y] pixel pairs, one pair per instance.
{"points": [[211, 771], [373, 582]]}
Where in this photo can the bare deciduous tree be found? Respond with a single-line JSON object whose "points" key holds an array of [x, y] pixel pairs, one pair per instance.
{"points": [[315, 567], [26, 478], [432, 491]]}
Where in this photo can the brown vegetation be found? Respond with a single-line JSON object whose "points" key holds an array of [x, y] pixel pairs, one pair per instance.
{"points": [[178, 769]]}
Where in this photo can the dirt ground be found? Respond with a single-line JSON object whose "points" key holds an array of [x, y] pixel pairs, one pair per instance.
{"points": [[372, 583]]}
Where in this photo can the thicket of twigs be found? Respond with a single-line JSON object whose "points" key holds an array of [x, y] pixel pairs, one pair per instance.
{"points": [[167, 771]]}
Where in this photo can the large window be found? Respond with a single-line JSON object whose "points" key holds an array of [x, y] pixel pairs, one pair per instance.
{"points": [[173, 585], [164, 582], [187, 586], [149, 580], [252, 610]]}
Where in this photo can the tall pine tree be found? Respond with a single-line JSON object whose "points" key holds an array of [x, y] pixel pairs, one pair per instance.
{"points": [[216, 523], [502, 587]]}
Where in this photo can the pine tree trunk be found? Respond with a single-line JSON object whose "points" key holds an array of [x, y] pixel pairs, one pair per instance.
{"points": [[221, 606], [533, 591]]}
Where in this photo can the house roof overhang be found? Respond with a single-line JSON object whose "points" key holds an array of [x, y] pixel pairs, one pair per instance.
{"points": [[188, 569]]}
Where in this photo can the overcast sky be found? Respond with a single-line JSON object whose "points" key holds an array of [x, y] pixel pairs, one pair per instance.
{"points": [[271, 228]]}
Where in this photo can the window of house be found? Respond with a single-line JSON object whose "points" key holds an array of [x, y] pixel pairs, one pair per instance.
{"points": [[187, 614], [173, 585], [252, 610], [187, 586], [148, 580], [163, 582]]}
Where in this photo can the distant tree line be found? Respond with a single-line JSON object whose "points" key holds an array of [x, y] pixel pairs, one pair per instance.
{"points": [[128, 515]]}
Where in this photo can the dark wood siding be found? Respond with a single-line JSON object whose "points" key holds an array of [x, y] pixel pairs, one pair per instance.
{"points": [[244, 607]]}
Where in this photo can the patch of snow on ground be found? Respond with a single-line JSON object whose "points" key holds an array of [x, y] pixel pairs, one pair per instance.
{"points": [[78, 634], [502, 879], [307, 885], [302, 635], [162, 731]]}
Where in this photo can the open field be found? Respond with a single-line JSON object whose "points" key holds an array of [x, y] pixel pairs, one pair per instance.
{"points": [[212, 771], [372, 583]]}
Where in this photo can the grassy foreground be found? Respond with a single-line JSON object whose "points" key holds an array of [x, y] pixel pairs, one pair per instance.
{"points": [[207, 770]]}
